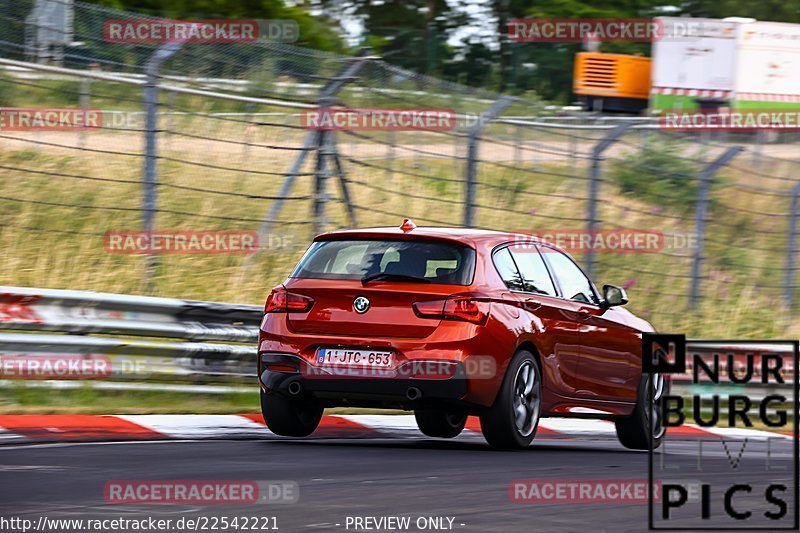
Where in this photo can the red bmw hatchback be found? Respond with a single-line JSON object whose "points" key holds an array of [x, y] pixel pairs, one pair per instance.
{"points": [[451, 322]]}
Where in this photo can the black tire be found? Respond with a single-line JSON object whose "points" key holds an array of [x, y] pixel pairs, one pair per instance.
{"points": [[443, 423], [499, 422], [290, 418], [634, 431]]}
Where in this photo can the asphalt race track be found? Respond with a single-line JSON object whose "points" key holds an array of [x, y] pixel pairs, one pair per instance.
{"points": [[338, 478]]}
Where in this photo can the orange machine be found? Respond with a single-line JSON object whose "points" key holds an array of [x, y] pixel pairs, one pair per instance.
{"points": [[617, 83]]}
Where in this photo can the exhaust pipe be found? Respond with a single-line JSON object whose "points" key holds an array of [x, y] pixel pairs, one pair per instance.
{"points": [[295, 388], [413, 393]]}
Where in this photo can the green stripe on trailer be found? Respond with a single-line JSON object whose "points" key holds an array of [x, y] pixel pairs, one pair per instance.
{"points": [[760, 104], [674, 102]]}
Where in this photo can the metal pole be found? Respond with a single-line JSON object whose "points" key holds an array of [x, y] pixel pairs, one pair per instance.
{"points": [[390, 156], [343, 186], [573, 149], [321, 176], [759, 148], [701, 211], [592, 221], [791, 249], [248, 129], [472, 155], [150, 180], [83, 99], [309, 144]]}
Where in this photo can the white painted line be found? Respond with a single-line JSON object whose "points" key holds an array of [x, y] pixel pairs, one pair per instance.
{"points": [[394, 424], [199, 426], [7, 437], [742, 433], [579, 426]]}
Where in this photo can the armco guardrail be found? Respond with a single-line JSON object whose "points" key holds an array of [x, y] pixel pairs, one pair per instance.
{"points": [[160, 340], [140, 337]]}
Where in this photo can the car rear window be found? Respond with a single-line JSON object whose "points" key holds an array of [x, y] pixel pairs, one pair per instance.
{"points": [[438, 262]]}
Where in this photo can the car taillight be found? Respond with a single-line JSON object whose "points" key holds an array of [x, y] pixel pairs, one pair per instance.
{"points": [[429, 309], [283, 301], [465, 308]]}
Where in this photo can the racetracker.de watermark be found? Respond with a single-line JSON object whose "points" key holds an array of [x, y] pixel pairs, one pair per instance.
{"points": [[201, 492], [551, 30], [731, 120], [372, 119], [533, 30], [622, 240], [473, 367], [156, 31], [55, 366], [549, 491], [49, 119], [192, 242]]}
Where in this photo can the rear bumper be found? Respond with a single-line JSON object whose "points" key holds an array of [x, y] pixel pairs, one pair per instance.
{"points": [[402, 387]]}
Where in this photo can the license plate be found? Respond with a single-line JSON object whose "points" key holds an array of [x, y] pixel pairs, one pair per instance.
{"points": [[359, 358]]}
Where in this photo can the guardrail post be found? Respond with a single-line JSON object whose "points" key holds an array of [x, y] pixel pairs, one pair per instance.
{"points": [[150, 178], [791, 250], [473, 136], [595, 177], [701, 210]]}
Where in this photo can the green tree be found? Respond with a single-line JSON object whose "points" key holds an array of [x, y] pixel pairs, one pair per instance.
{"points": [[409, 33]]}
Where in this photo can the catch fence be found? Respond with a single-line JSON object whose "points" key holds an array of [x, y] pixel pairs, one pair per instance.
{"points": [[210, 137]]}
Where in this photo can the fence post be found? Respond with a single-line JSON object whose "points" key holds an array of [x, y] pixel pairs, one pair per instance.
{"points": [[791, 249], [83, 102], [573, 150], [473, 136], [150, 178], [701, 210], [390, 156], [595, 178], [760, 139], [321, 175]]}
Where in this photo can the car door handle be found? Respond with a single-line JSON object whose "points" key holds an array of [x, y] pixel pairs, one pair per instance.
{"points": [[583, 315], [532, 305]]}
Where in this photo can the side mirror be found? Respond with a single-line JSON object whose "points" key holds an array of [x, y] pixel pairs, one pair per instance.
{"points": [[614, 295]]}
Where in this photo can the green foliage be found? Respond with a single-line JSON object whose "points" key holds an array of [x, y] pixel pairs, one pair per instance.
{"points": [[510, 189], [416, 34], [440, 185], [6, 91], [658, 174]]}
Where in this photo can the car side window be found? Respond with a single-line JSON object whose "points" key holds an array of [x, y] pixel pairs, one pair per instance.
{"points": [[535, 277], [574, 284], [507, 269]]}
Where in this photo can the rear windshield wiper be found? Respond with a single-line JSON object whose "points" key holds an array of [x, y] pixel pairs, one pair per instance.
{"points": [[392, 277]]}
